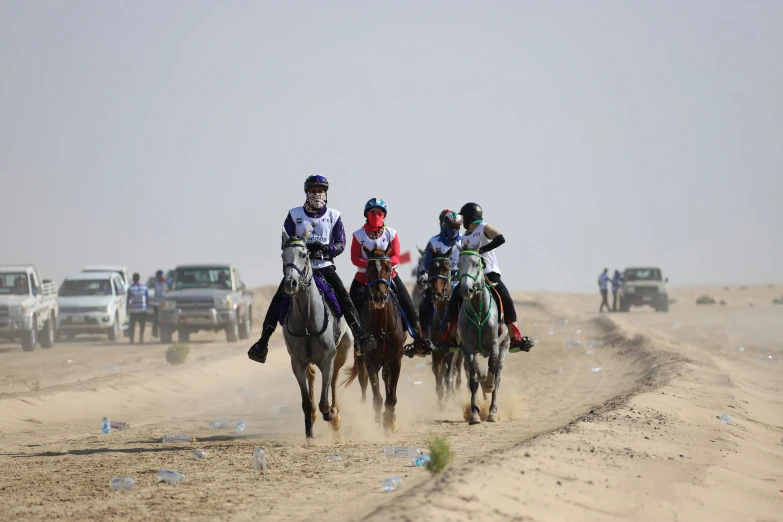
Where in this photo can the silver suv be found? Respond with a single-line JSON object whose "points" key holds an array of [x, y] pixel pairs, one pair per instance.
{"points": [[206, 297], [643, 286]]}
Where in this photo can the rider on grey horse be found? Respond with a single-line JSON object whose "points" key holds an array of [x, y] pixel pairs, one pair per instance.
{"points": [[323, 229], [375, 234], [448, 239], [484, 239]]}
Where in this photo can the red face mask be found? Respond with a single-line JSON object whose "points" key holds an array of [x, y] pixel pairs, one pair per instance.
{"points": [[375, 218]]}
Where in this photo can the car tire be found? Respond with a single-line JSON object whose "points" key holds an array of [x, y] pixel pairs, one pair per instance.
{"points": [[624, 306], [232, 330], [30, 338], [664, 306], [114, 333], [166, 333], [183, 335], [245, 327], [48, 337]]}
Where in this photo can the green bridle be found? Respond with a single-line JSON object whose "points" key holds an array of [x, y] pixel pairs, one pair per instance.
{"points": [[475, 317]]}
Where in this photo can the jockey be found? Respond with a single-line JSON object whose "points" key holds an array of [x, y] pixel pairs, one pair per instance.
{"points": [[449, 238], [325, 237], [484, 239], [375, 234]]}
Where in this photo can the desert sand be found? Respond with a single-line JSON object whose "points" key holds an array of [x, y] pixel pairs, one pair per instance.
{"points": [[641, 439]]}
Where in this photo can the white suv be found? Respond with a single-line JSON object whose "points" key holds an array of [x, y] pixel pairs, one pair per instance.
{"points": [[92, 303]]}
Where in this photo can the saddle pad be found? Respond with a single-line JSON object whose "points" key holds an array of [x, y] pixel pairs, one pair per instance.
{"points": [[325, 290]]}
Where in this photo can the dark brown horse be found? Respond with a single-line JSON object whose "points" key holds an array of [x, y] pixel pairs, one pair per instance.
{"points": [[383, 320], [445, 365]]}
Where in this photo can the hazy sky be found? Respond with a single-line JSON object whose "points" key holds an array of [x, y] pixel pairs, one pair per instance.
{"points": [[601, 133]]}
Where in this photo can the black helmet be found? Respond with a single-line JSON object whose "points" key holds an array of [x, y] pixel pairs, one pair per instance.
{"points": [[159, 273], [316, 181], [471, 212]]}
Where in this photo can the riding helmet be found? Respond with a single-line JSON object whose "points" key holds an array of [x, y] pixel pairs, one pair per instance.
{"points": [[451, 219], [375, 203], [316, 181], [471, 212]]}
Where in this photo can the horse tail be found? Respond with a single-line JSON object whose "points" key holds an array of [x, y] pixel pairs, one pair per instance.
{"points": [[353, 372]]}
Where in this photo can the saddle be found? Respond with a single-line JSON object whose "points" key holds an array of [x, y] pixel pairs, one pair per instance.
{"points": [[326, 291]]}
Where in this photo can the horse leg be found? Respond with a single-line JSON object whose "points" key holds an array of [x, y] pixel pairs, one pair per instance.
{"points": [[475, 410], [327, 372], [363, 378], [301, 372], [339, 362], [377, 399], [449, 376], [459, 361], [437, 370], [311, 389], [488, 382], [391, 376], [493, 408]]}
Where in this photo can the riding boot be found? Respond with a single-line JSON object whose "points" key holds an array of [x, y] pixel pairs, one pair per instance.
{"points": [[448, 337], [260, 349], [366, 340], [421, 346], [518, 341]]}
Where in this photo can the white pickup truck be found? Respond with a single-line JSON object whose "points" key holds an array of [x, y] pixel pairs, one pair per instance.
{"points": [[28, 307]]}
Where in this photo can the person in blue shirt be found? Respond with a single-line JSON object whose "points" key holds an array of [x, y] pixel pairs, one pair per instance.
{"points": [[449, 238], [138, 297], [603, 285], [617, 280], [162, 285]]}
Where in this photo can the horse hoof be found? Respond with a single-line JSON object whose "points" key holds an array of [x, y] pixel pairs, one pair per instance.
{"points": [[327, 416], [492, 417], [335, 423], [310, 440], [474, 419]]}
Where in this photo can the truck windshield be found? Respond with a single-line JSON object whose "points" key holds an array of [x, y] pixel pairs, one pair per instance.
{"points": [[14, 283], [202, 277], [83, 287], [642, 274]]}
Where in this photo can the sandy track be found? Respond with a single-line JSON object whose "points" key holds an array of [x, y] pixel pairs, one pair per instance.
{"points": [[57, 464]]}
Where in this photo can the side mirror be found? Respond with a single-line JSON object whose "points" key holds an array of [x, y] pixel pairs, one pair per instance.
{"points": [[666, 280], [242, 287]]}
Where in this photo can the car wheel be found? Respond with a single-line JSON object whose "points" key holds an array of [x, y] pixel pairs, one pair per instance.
{"points": [[30, 338], [245, 327], [232, 331], [183, 335], [166, 333], [114, 333], [664, 306], [624, 306], [47, 339]]}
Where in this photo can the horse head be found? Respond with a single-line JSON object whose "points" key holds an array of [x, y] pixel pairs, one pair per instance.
{"points": [[471, 273], [379, 276], [295, 259], [439, 274]]}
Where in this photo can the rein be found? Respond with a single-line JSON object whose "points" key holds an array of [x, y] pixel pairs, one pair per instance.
{"points": [[380, 279], [475, 317], [305, 280], [384, 330]]}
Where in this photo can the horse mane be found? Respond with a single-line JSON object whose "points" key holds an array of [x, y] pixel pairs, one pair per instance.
{"points": [[293, 239]]}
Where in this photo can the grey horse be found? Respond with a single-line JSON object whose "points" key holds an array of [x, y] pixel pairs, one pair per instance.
{"points": [[478, 328], [421, 280], [313, 336]]}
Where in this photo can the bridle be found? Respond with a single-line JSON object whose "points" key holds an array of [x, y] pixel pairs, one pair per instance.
{"points": [[475, 317], [380, 279], [306, 274], [444, 295]]}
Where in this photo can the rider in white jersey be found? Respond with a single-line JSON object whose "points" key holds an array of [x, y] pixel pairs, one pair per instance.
{"points": [[484, 239], [375, 234], [324, 233], [448, 239]]}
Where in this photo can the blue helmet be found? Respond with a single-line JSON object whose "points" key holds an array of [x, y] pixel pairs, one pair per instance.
{"points": [[375, 203]]}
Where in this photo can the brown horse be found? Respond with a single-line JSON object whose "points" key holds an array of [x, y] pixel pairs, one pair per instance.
{"points": [[382, 319], [445, 365]]}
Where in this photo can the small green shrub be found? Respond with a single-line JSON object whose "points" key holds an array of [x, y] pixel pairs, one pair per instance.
{"points": [[672, 300], [177, 353], [778, 300], [706, 300], [441, 454], [723, 302]]}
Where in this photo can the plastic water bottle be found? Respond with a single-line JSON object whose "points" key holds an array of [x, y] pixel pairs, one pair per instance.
{"points": [[589, 352], [402, 453], [218, 424], [392, 484], [259, 460], [121, 483], [336, 458], [420, 461], [725, 419], [596, 369], [170, 476], [241, 425], [199, 454], [117, 425], [106, 426], [177, 437], [740, 348]]}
